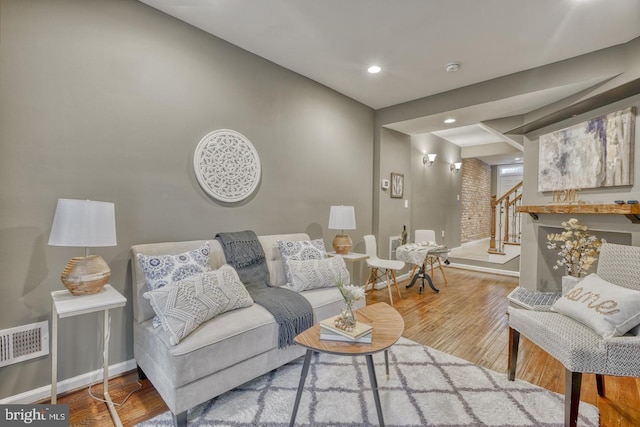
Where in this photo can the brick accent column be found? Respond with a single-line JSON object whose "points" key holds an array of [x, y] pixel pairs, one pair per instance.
{"points": [[475, 200]]}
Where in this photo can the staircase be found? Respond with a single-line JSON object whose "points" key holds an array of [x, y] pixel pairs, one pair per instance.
{"points": [[505, 221]]}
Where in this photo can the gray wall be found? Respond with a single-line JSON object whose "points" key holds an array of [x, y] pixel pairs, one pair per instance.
{"points": [[435, 189], [107, 100], [395, 156]]}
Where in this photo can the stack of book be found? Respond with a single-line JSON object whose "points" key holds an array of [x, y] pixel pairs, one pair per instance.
{"points": [[360, 334]]}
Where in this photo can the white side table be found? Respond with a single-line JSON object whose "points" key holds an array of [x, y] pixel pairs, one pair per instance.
{"points": [[67, 305]]}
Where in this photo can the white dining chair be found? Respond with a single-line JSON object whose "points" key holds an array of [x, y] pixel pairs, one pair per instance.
{"points": [[376, 264]]}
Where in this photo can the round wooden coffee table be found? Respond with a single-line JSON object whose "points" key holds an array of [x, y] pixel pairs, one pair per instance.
{"points": [[388, 326]]}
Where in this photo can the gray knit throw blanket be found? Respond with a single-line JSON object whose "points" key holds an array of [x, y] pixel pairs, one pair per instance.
{"points": [[291, 310]]}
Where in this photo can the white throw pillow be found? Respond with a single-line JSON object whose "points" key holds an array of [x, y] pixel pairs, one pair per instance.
{"points": [[183, 306], [608, 309], [300, 250], [317, 273]]}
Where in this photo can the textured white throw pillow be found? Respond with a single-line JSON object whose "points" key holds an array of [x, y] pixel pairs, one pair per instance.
{"points": [[608, 309], [317, 273], [183, 306]]}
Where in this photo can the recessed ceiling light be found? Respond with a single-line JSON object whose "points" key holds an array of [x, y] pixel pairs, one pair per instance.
{"points": [[518, 158], [374, 69], [452, 67], [449, 121]]}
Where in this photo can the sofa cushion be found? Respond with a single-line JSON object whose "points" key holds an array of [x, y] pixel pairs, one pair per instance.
{"points": [[608, 309], [300, 250], [317, 273], [226, 339], [184, 305]]}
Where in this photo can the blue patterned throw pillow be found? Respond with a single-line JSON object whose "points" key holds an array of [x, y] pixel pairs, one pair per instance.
{"points": [[300, 251], [161, 270]]}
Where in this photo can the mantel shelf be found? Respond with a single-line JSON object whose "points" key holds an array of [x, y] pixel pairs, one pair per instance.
{"points": [[630, 211]]}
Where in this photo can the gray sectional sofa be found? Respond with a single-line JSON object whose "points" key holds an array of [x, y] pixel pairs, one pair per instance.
{"points": [[224, 352]]}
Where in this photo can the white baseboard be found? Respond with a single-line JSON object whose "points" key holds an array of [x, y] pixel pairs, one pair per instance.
{"points": [[485, 269], [74, 383]]}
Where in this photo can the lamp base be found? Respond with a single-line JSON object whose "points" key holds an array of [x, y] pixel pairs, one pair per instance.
{"points": [[342, 244], [85, 275]]}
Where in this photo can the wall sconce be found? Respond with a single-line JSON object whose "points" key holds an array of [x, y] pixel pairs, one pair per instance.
{"points": [[455, 167], [428, 159]]}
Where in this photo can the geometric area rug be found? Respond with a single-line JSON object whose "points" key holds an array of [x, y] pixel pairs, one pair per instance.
{"points": [[426, 388]]}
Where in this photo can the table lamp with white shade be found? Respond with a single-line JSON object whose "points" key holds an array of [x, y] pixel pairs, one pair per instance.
{"points": [[342, 218], [84, 223]]}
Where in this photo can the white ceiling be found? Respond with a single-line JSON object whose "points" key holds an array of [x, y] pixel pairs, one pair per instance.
{"points": [[334, 41], [467, 136]]}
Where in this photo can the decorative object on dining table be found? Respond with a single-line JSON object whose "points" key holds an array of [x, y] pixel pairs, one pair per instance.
{"points": [[84, 223], [346, 320], [403, 235], [578, 248], [342, 218]]}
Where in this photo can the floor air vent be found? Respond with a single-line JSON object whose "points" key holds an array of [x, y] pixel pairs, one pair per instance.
{"points": [[24, 342]]}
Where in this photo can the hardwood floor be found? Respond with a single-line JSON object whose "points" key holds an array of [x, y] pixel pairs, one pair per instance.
{"points": [[466, 319]]}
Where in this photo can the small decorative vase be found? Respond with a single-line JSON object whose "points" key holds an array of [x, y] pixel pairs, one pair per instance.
{"points": [[568, 282], [347, 319]]}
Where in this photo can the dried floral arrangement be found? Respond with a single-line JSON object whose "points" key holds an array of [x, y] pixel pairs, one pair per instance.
{"points": [[578, 248]]}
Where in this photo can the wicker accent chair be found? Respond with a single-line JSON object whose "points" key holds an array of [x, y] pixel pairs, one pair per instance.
{"points": [[576, 346]]}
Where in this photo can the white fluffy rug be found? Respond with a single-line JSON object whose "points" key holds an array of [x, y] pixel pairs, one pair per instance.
{"points": [[426, 388]]}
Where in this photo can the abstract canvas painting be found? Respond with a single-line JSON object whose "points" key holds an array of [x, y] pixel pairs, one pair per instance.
{"points": [[593, 154]]}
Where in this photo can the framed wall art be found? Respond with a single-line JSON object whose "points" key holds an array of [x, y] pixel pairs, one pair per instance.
{"points": [[227, 165], [593, 154], [397, 185]]}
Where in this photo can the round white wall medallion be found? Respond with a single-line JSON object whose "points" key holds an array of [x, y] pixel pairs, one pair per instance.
{"points": [[227, 165]]}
